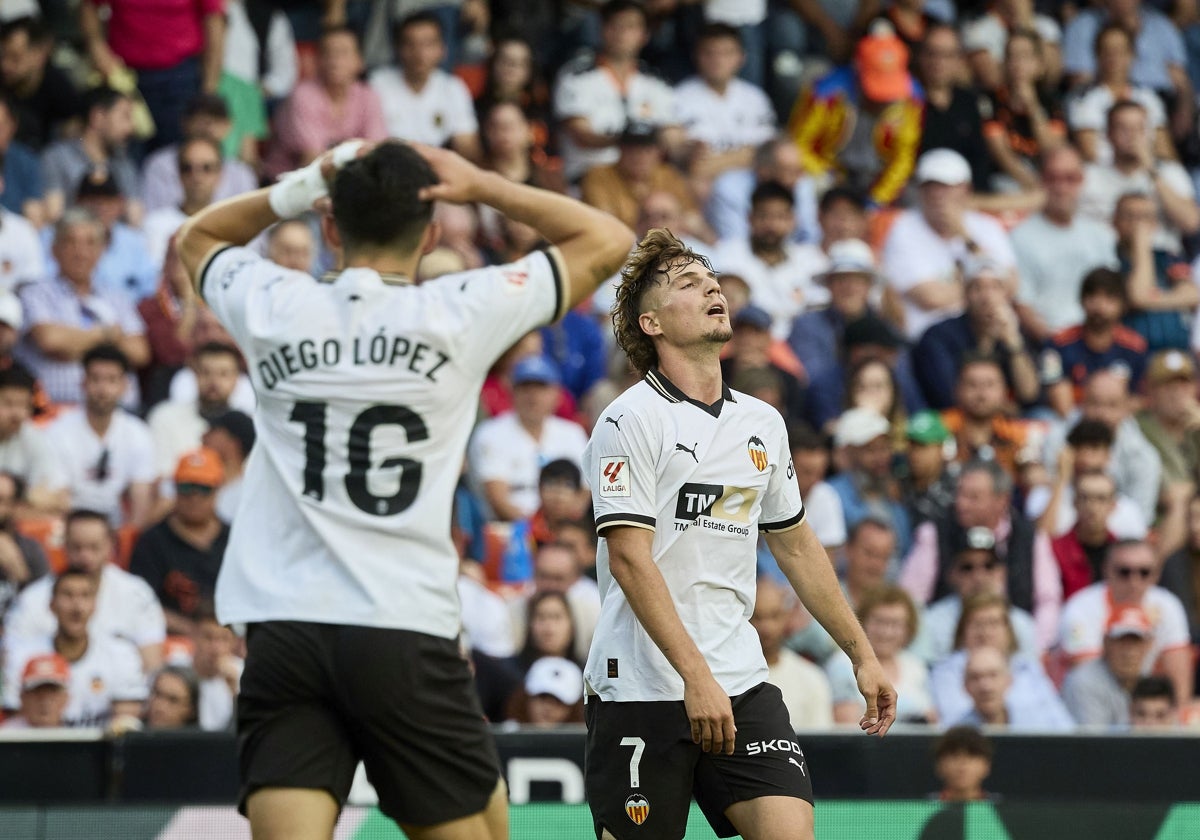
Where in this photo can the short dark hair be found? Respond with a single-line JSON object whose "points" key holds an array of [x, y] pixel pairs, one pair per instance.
{"points": [[192, 140], [1002, 483], [837, 195], [615, 7], [1149, 688], [1107, 30], [561, 471], [1119, 106], [190, 681], [973, 357], [963, 740], [877, 522], [106, 353], [376, 198], [16, 376], [1090, 433], [804, 437], [333, 29], [423, 18], [1103, 281], [218, 348], [34, 28], [88, 515], [715, 30], [67, 574], [771, 191], [103, 98]]}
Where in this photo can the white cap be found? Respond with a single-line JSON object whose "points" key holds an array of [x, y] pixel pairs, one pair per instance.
{"points": [[10, 311], [976, 266], [943, 166], [860, 426], [850, 256], [558, 677]]}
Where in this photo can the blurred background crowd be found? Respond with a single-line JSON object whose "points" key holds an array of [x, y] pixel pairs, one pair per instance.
{"points": [[958, 244]]}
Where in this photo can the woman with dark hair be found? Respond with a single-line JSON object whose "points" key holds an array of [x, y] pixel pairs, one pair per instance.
{"points": [[550, 629], [871, 383], [513, 77], [174, 700]]}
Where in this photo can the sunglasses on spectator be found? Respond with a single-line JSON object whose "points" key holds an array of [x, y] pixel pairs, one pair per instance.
{"points": [[1127, 572], [189, 489], [986, 565], [192, 168]]}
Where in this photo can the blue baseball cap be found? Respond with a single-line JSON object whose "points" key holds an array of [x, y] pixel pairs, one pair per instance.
{"points": [[535, 369], [752, 316]]}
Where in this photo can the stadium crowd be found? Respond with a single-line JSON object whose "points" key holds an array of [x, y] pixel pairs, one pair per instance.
{"points": [[958, 243]]}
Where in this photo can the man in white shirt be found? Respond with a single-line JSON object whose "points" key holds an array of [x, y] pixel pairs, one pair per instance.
{"points": [[684, 479], [368, 385], [20, 249], [780, 273], [421, 102], [106, 452], [24, 450], [126, 606], [925, 245], [199, 163], [804, 686], [596, 97], [508, 452]]}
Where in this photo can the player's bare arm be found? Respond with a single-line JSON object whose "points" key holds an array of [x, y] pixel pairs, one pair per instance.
{"points": [[593, 244], [806, 565], [631, 562]]}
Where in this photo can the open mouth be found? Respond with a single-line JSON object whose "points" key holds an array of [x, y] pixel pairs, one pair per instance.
{"points": [[717, 309]]}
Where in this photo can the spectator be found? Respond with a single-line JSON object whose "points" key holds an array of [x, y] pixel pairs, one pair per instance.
{"points": [[44, 100], [619, 188], [172, 325], [20, 247], [953, 113], [421, 102], [199, 163], [983, 499], [724, 118], [24, 451], [174, 49], [218, 668], [21, 190], [890, 620], [174, 701], [1153, 705], [750, 350], [988, 329], [871, 383], [810, 459], [988, 36], [552, 695], [324, 111], [976, 569], [1162, 293], [1100, 344], [1080, 549], [804, 686], [291, 244], [206, 115], [259, 68], [562, 498], [1026, 118], [509, 148], [513, 78], [781, 274], [107, 128], [231, 435], [925, 245], [178, 427], [1171, 417], [1135, 167], [1135, 463], [979, 419], [778, 160], [988, 681], [506, 451], [1097, 693], [866, 487], [180, 556], [985, 624], [816, 335], [929, 482], [125, 606], [1131, 573], [106, 679], [69, 315], [962, 761], [1088, 112], [557, 567], [596, 96], [548, 628], [877, 94], [44, 694], [1057, 247], [107, 453]]}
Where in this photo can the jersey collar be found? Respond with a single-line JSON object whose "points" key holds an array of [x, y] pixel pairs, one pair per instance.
{"points": [[388, 279], [669, 391]]}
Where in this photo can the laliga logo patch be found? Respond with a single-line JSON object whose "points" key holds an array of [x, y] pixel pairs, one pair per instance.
{"points": [[758, 452], [614, 477], [638, 808]]}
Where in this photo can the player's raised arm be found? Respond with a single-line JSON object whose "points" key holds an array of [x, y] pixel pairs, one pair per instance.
{"points": [[806, 565], [593, 244]]}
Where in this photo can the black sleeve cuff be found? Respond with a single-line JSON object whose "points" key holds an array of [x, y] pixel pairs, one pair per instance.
{"points": [[635, 519], [782, 525]]}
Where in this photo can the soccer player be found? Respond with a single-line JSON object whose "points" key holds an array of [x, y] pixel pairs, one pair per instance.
{"points": [[340, 559], [685, 474]]}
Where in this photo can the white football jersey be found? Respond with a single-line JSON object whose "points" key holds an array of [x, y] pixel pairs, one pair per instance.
{"points": [[367, 390], [706, 480]]}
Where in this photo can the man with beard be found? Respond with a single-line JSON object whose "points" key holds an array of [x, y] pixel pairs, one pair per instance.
{"points": [[979, 420], [1099, 343]]}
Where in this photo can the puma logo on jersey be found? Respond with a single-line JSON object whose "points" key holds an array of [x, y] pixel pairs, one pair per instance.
{"points": [[679, 447], [614, 477], [616, 422]]}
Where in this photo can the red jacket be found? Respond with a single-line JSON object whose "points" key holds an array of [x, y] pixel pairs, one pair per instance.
{"points": [[1073, 564]]}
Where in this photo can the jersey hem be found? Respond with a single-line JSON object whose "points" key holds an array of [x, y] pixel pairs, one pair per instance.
{"points": [[244, 618], [208, 261], [634, 519], [786, 525]]}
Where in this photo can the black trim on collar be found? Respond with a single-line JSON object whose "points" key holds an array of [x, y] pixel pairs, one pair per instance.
{"points": [[669, 391]]}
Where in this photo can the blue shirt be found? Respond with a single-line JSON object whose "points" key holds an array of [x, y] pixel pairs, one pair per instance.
{"points": [[815, 339], [576, 346], [728, 208], [1066, 355], [22, 177], [1159, 45], [856, 508], [937, 356], [1164, 329], [1032, 701], [126, 266]]}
